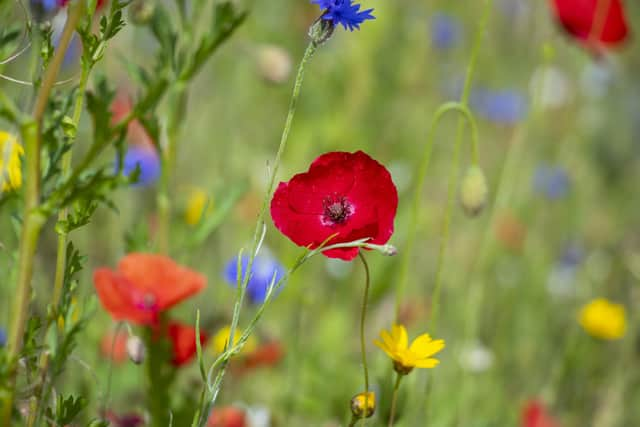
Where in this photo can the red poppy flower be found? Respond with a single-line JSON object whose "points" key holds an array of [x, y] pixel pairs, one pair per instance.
{"points": [[594, 22], [345, 193], [143, 286], [535, 414], [268, 354], [227, 417], [183, 342]]}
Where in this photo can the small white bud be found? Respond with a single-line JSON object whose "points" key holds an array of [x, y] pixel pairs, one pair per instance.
{"points": [[136, 349]]}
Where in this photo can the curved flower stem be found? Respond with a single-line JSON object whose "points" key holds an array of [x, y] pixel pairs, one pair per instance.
{"points": [[34, 219], [363, 347], [394, 399]]}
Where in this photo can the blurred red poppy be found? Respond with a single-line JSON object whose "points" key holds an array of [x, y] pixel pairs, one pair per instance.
{"points": [[227, 417], [348, 194], [183, 342], [534, 414], [125, 420], [145, 285], [594, 22], [114, 350], [268, 354]]}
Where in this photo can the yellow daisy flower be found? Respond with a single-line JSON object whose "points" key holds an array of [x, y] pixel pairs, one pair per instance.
{"points": [[603, 319], [219, 341], [406, 357], [10, 164], [196, 204]]}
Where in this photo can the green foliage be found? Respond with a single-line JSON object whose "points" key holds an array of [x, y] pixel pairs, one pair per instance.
{"points": [[66, 409]]}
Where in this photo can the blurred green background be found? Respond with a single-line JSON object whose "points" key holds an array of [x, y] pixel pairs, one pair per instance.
{"points": [[560, 146]]}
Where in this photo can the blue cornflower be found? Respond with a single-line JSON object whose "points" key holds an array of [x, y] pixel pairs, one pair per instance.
{"points": [[262, 272], [148, 161], [551, 181], [445, 31], [3, 337], [572, 255], [344, 12], [43, 9], [501, 106]]}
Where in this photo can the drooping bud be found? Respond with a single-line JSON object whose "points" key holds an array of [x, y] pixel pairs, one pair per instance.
{"points": [[363, 405], [136, 349], [321, 31], [473, 191]]}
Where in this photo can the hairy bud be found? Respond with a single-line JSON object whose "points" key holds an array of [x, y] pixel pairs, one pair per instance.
{"points": [[473, 191]]}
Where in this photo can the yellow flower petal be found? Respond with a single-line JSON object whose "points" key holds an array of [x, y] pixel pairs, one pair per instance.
{"points": [[387, 339], [399, 335], [426, 363], [424, 346]]}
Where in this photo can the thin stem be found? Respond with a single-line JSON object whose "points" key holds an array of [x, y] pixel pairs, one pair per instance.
{"points": [[33, 218], [257, 237], [61, 255], [178, 107], [363, 347], [394, 399]]}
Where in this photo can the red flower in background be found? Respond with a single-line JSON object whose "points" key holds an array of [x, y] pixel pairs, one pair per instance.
{"points": [[534, 414], [183, 342], [114, 346], [345, 193], [145, 285], [227, 417], [99, 4], [594, 22]]}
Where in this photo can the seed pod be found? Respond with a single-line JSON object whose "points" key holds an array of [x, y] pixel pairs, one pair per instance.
{"points": [[136, 349], [141, 11], [473, 191], [363, 405]]}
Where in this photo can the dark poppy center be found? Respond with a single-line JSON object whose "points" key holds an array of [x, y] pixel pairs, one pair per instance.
{"points": [[336, 209]]}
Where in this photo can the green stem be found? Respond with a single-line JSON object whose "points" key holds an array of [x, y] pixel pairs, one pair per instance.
{"points": [[462, 107], [34, 219], [257, 236], [61, 257], [176, 115], [394, 399], [363, 347]]}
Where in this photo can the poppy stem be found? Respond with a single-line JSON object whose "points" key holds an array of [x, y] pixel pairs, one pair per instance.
{"points": [[363, 347], [394, 399], [34, 219]]}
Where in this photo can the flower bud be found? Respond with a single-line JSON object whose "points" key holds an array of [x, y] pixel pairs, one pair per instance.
{"points": [[363, 405], [136, 349], [473, 191], [321, 31], [274, 64]]}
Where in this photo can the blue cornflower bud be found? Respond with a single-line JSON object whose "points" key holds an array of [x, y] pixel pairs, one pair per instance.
{"points": [[343, 12], [262, 273], [445, 31], [551, 181], [147, 159], [3, 337]]}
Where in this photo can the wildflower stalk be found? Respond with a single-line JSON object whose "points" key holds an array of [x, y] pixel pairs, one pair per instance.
{"points": [[394, 399], [363, 347], [34, 218], [61, 253], [176, 114], [258, 237], [467, 116]]}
